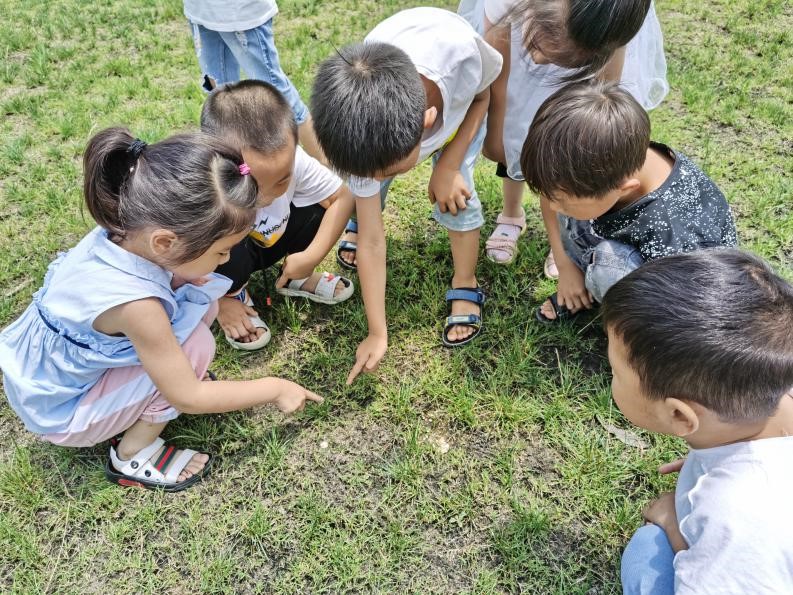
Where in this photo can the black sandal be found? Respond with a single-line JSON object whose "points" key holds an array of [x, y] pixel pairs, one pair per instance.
{"points": [[562, 313], [475, 295], [347, 246]]}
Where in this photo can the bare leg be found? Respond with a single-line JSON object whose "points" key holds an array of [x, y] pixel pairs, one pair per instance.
{"points": [[143, 433], [465, 251], [513, 197]]}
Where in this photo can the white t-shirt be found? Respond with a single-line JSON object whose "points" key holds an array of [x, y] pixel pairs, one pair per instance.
{"points": [[230, 15], [530, 84], [445, 49], [734, 510], [311, 183]]}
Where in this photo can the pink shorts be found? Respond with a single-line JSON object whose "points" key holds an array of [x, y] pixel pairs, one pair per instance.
{"points": [[122, 396]]}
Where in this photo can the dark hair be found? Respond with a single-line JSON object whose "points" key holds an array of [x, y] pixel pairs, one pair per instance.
{"points": [[249, 113], [189, 184], [585, 140], [368, 105], [580, 34], [714, 327]]}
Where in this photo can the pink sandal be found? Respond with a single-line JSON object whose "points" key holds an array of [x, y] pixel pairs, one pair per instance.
{"points": [[550, 269], [502, 245]]}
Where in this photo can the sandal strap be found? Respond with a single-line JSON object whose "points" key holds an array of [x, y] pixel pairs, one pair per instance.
{"points": [[348, 246], [516, 221], [176, 465], [352, 226], [244, 297], [463, 319], [500, 243], [474, 295]]}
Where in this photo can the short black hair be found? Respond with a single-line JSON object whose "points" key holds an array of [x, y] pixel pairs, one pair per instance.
{"points": [[712, 326], [249, 113], [585, 140], [368, 105]]}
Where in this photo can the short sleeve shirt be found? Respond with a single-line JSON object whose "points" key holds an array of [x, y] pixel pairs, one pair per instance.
{"points": [[445, 49], [686, 213], [230, 15], [733, 509], [311, 183]]}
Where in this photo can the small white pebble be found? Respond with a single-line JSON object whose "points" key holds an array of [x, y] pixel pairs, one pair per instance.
{"points": [[323, 444]]}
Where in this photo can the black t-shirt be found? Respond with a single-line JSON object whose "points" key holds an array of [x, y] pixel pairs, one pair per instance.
{"points": [[687, 212]]}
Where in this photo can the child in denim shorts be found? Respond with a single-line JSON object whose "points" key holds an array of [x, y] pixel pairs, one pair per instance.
{"points": [[234, 34], [611, 199]]}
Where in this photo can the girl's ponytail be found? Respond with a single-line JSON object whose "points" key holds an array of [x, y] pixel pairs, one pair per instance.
{"points": [[108, 163]]}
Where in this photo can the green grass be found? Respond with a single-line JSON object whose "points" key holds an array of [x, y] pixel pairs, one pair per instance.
{"points": [[533, 495]]}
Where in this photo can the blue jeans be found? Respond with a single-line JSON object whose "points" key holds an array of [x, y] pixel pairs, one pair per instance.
{"points": [[604, 262], [222, 53], [466, 219], [647, 563]]}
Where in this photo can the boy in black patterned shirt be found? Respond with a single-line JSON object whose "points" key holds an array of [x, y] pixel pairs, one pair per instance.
{"points": [[611, 199]]}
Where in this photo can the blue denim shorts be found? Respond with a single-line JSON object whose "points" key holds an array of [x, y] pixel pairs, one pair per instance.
{"points": [[221, 54]]}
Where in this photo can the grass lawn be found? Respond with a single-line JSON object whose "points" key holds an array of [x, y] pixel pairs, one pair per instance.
{"points": [[480, 470]]}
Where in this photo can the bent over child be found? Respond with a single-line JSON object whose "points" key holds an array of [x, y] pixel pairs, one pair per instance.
{"points": [[701, 347], [416, 88], [613, 200], [117, 339], [301, 207]]}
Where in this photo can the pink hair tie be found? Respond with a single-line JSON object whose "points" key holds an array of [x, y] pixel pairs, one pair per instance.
{"points": [[244, 169]]}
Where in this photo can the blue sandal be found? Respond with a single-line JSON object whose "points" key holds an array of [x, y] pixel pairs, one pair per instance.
{"points": [[475, 295], [347, 246]]}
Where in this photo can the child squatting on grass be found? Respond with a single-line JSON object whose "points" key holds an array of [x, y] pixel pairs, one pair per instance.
{"points": [[117, 339], [416, 88], [701, 347], [301, 207], [613, 200], [547, 44]]}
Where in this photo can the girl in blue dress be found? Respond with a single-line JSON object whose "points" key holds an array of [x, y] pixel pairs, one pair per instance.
{"points": [[117, 339]]}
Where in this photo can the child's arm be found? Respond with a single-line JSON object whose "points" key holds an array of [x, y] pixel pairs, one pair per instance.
{"points": [[447, 185], [146, 324], [571, 291], [661, 512], [372, 275], [301, 264], [499, 38]]}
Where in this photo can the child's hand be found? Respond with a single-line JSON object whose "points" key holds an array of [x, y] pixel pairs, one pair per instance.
{"points": [[296, 266], [571, 291], [673, 467], [368, 356], [661, 512], [234, 319], [292, 397], [448, 188]]}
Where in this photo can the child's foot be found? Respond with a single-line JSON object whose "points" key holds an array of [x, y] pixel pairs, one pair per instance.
{"points": [[345, 254], [465, 319], [552, 311], [502, 245], [325, 288], [349, 256], [241, 323], [157, 465]]}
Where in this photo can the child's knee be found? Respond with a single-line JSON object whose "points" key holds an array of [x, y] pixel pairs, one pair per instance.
{"points": [[647, 563], [611, 261], [200, 349]]}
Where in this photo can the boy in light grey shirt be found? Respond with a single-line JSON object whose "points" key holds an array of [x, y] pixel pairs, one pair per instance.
{"points": [[701, 347]]}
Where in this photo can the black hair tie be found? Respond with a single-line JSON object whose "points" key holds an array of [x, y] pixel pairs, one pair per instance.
{"points": [[136, 148]]}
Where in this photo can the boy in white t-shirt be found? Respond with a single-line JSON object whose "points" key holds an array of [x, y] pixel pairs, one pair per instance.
{"points": [[417, 87], [302, 207], [233, 34], [701, 347]]}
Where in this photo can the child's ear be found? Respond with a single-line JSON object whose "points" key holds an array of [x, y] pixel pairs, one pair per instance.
{"points": [[629, 185], [681, 417], [430, 115], [161, 241]]}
